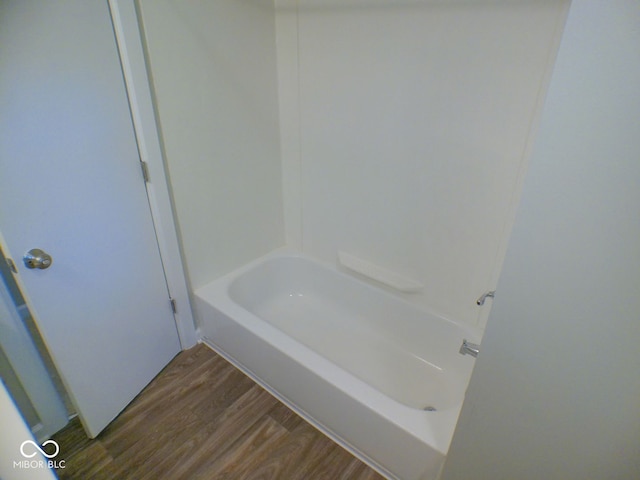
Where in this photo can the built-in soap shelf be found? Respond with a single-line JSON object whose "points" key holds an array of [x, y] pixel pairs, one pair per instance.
{"points": [[379, 274]]}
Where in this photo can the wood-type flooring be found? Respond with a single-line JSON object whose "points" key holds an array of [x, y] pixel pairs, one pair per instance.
{"points": [[201, 418]]}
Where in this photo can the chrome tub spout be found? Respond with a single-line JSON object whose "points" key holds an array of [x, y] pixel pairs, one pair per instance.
{"points": [[469, 348]]}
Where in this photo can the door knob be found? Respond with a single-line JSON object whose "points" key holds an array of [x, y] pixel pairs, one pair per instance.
{"points": [[36, 258]]}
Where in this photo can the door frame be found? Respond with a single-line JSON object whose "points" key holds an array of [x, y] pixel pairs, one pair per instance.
{"points": [[27, 365], [128, 37]]}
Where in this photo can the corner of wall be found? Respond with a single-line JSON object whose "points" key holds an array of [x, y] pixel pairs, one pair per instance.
{"points": [[286, 14]]}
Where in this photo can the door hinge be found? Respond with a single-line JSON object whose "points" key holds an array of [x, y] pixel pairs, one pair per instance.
{"points": [[12, 265], [145, 170], [174, 305]]}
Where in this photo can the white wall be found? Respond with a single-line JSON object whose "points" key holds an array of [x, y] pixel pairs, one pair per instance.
{"points": [[395, 132], [213, 69], [556, 389], [405, 129]]}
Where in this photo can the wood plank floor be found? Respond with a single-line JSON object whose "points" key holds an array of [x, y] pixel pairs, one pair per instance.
{"points": [[201, 418]]}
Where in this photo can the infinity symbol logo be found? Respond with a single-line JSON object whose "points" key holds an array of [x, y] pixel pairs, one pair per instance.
{"points": [[31, 455]]}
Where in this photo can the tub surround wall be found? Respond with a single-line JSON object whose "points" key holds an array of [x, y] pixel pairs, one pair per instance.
{"points": [[394, 133], [412, 128], [213, 69]]}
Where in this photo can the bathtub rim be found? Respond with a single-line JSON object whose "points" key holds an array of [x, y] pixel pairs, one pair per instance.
{"points": [[475, 333]]}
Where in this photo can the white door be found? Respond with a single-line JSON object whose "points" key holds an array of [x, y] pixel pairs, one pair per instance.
{"points": [[71, 185]]}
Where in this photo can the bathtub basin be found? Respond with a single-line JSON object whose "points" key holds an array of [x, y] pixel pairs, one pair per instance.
{"points": [[378, 375]]}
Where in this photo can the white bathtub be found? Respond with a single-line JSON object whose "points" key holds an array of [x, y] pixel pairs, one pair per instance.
{"points": [[378, 375]]}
